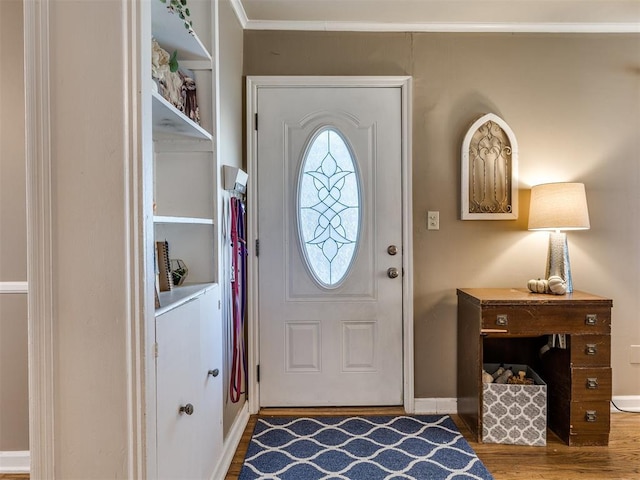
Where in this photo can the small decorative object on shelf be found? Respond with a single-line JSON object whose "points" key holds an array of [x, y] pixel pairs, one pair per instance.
{"points": [[189, 97], [165, 280], [557, 285], [179, 271], [179, 7], [538, 286], [176, 86], [554, 284], [169, 82]]}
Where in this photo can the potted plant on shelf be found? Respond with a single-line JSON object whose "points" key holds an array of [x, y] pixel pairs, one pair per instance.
{"points": [[179, 7]]}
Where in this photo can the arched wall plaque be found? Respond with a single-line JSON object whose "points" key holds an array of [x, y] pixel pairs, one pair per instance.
{"points": [[489, 171]]}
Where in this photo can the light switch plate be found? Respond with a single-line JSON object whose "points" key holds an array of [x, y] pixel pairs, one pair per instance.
{"points": [[634, 354], [433, 220]]}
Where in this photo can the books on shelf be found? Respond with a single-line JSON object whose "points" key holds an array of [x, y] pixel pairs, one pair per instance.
{"points": [[165, 280]]}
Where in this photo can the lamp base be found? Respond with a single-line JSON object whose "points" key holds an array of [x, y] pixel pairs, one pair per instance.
{"points": [[558, 258]]}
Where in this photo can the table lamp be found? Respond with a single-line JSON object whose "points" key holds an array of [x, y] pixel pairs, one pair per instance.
{"points": [[558, 207]]}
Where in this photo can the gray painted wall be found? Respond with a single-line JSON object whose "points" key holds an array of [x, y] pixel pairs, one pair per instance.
{"points": [[573, 103], [14, 399]]}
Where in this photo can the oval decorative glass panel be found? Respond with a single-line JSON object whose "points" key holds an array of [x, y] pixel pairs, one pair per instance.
{"points": [[329, 209]]}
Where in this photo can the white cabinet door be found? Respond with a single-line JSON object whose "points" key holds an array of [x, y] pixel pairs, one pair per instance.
{"points": [[189, 376], [210, 380], [178, 339]]}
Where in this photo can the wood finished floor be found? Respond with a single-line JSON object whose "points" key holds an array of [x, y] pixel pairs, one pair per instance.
{"points": [[556, 461], [619, 461]]}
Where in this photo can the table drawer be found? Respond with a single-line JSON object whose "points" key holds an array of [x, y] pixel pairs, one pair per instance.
{"points": [[590, 350], [590, 417], [533, 319], [590, 384]]}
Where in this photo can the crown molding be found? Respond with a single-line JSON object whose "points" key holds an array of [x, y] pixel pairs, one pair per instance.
{"points": [[240, 12], [630, 27]]}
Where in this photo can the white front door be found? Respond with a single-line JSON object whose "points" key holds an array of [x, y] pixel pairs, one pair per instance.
{"points": [[330, 289]]}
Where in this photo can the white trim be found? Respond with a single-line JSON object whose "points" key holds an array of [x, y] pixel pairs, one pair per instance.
{"points": [[136, 134], [240, 12], [253, 356], [14, 287], [453, 27], [15, 462], [436, 405], [404, 82], [450, 405], [626, 402], [39, 239], [234, 436]]}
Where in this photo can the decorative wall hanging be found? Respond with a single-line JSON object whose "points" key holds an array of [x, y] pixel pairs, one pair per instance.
{"points": [[489, 171]]}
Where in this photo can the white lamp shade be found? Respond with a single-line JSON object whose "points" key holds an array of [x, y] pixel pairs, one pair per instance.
{"points": [[558, 206]]}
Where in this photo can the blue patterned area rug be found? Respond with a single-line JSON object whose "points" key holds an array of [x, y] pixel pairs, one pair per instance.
{"points": [[360, 448]]}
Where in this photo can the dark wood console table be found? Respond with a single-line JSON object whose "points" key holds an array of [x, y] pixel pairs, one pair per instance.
{"points": [[501, 325]]}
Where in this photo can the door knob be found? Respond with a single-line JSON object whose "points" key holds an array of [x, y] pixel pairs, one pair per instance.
{"points": [[214, 372], [392, 250], [188, 409], [393, 272]]}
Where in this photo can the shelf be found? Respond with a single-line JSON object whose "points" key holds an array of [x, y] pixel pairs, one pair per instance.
{"points": [[182, 220], [169, 121], [169, 30], [181, 295]]}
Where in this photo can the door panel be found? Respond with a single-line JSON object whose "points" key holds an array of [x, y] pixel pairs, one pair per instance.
{"points": [[319, 344], [177, 331]]}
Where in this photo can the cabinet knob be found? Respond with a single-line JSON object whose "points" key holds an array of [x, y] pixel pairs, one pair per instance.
{"points": [[188, 409], [591, 349], [591, 319], [592, 383], [214, 373], [590, 416], [502, 320]]}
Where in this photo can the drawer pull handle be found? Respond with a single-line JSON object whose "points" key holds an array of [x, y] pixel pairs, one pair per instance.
{"points": [[590, 416], [591, 349], [592, 383], [188, 409], [591, 319], [502, 320]]}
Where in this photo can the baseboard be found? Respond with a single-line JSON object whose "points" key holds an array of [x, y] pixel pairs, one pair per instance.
{"points": [[630, 403], [450, 405], [232, 441], [424, 406], [15, 462]]}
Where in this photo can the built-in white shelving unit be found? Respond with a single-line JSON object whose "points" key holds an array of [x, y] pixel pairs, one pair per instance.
{"points": [[169, 121], [185, 220], [188, 376], [184, 152]]}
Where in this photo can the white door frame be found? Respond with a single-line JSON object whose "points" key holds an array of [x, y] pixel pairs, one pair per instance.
{"points": [[404, 83]]}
